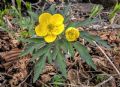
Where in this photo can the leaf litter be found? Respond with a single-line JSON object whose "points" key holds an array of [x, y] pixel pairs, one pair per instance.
{"points": [[15, 71]]}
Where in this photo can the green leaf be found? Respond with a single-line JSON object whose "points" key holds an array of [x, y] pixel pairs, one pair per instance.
{"points": [[49, 57], [32, 40], [84, 54], [55, 52], [101, 42], [82, 23], [28, 6], [52, 9], [61, 44], [42, 51], [96, 10], [60, 60], [69, 47], [39, 68], [19, 5], [29, 49], [66, 10], [90, 38], [33, 15], [114, 11], [67, 19], [16, 11], [86, 36]]}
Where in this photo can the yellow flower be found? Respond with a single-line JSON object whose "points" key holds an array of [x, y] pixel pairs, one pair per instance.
{"points": [[50, 26], [72, 34]]}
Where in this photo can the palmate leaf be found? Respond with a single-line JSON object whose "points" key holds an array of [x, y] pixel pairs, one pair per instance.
{"points": [[39, 67], [28, 49], [90, 38], [84, 54], [60, 60], [42, 51]]}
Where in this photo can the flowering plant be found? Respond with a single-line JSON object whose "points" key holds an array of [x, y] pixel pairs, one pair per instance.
{"points": [[56, 36]]}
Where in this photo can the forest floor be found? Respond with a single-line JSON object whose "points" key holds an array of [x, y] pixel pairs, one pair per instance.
{"points": [[18, 72]]}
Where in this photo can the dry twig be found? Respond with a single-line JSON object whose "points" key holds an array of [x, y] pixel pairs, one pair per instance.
{"points": [[107, 58], [105, 81]]}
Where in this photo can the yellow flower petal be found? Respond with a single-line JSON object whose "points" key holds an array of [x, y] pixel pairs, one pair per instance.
{"points": [[41, 30], [57, 19], [45, 17], [58, 29], [72, 34], [50, 38]]}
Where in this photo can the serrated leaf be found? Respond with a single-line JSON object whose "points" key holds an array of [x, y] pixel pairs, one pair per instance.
{"points": [[49, 57], [90, 38], [69, 47], [82, 23], [86, 36], [66, 19], [42, 51], [39, 67], [52, 9], [54, 53], [60, 60], [101, 42], [62, 45], [66, 10], [29, 49], [34, 40], [84, 54]]}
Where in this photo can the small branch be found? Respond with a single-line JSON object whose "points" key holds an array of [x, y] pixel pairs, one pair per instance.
{"points": [[13, 3], [105, 81], [8, 22], [25, 79], [107, 58]]}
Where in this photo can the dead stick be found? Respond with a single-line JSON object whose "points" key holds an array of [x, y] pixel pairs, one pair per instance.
{"points": [[107, 58], [100, 84]]}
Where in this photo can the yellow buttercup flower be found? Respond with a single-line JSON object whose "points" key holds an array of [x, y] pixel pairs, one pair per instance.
{"points": [[50, 26], [72, 34]]}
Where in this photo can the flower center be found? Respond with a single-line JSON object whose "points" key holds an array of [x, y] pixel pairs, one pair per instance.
{"points": [[71, 33], [51, 27]]}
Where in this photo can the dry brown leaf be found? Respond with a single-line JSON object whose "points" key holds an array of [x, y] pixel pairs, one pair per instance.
{"points": [[72, 76], [45, 78], [49, 69]]}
